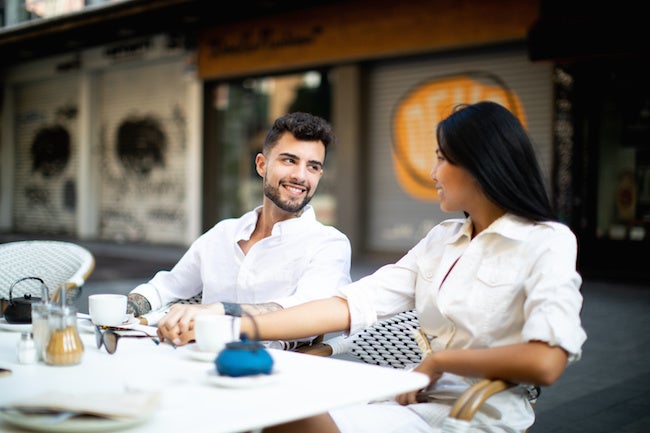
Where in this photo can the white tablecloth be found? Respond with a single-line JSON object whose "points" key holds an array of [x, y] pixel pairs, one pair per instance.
{"points": [[189, 401]]}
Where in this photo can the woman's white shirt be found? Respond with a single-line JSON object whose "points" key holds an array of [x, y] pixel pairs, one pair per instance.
{"points": [[516, 281]]}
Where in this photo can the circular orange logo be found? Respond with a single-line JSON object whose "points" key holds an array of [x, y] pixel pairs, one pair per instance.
{"points": [[417, 114]]}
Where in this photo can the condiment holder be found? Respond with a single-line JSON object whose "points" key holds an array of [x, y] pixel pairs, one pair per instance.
{"points": [[64, 346]]}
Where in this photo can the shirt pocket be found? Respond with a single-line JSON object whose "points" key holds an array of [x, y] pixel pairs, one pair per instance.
{"points": [[498, 272], [498, 296]]}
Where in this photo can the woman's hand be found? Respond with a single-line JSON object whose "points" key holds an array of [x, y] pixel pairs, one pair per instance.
{"points": [[411, 397]]}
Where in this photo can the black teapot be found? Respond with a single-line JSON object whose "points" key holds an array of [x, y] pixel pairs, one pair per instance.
{"points": [[244, 358], [19, 310]]}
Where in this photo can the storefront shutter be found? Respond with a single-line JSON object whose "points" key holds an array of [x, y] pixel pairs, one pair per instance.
{"points": [[142, 124], [47, 155], [397, 219]]}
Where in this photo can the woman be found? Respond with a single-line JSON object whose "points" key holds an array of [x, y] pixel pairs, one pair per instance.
{"points": [[497, 292]]}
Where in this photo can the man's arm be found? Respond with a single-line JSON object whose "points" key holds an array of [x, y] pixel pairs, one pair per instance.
{"points": [[252, 309], [137, 305]]}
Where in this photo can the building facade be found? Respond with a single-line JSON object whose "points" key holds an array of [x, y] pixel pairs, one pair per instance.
{"points": [[151, 138]]}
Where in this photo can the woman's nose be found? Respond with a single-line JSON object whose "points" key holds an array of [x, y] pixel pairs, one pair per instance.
{"points": [[432, 174]]}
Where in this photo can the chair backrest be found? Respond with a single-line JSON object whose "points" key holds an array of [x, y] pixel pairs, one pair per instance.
{"points": [[59, 264], [389, 342]]}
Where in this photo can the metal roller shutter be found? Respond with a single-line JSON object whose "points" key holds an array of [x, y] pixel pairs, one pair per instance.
{"points": [[143, 148], [397, 219], [46, 140]]}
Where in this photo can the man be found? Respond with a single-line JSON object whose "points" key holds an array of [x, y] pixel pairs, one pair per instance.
{"points": [[273, 257]]}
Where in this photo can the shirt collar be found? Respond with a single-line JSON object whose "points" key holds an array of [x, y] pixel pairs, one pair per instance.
{"points": [[465, 230], [291, 225], [508, 225]]}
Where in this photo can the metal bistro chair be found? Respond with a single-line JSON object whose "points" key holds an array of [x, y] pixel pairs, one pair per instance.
{"points": [[61, 265], [398, 342]]}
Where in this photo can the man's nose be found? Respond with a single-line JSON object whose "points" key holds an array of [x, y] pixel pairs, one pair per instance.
{"points": [[300, 171]]}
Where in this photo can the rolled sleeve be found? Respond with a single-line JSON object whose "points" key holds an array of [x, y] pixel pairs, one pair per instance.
{"points": [[151, 293], [554, 301], [388, 291], [362, 312]]}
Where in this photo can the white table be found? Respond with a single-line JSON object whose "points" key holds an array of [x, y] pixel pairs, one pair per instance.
{"points": [[307, 385]]}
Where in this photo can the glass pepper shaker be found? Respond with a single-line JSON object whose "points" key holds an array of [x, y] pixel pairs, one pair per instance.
{"points": [[64, 346]]}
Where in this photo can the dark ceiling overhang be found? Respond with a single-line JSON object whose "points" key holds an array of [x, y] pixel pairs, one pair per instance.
{"points": [[118, 21], [574, 32], [94, 26]]}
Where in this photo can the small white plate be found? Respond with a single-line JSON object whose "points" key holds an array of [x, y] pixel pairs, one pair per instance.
{"points": [[15, 327], [196, 354], [242, 381], [86, 325], [72, 425]]}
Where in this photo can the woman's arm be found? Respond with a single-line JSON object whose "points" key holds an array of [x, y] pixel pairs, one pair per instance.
{"points": [[304, 320], [532, 363]]}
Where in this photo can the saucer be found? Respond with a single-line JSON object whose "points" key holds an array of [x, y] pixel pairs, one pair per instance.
{"points": [[199, 355], [85, 324], [242, 381], [15, 327], [44, 423]]}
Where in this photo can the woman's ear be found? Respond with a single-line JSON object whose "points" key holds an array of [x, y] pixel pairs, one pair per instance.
{"points": [[260, 164]]}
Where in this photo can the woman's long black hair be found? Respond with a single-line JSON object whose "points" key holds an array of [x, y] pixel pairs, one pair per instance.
{"points": [[486, 139]]}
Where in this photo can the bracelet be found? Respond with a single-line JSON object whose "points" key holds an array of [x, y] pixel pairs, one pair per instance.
{"points": [[231, 309]]}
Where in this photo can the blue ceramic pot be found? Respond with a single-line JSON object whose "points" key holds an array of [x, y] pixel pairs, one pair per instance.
{"points": [[244, 358]]}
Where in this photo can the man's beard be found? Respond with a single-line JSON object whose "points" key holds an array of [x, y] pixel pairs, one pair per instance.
{"points": [[273, 194]]}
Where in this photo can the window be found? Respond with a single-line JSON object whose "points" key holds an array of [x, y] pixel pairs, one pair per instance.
{"points": [[238, 114]]}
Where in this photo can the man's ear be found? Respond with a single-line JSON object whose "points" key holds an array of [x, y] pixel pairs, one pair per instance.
{"points": [[260, 164]]}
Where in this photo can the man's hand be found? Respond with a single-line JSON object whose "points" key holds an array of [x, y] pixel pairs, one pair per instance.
{"points": [[178, 324]]}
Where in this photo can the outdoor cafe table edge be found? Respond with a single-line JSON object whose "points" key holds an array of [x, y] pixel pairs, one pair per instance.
{"points": [[306, 385]]}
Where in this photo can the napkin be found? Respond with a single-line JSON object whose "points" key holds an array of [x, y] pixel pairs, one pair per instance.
{"points": [[108, 405]]}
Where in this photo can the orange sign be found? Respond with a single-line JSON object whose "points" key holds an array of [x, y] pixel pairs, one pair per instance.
{"points": [[417, 114]]}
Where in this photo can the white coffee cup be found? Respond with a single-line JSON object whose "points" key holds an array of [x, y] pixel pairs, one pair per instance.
{"points": [[212, 331], [107, 309]]}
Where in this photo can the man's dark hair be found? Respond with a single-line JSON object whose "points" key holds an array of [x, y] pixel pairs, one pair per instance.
{"points": [[303, 126]]}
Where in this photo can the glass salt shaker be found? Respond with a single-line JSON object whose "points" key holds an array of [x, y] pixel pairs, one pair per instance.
{"points": [[40, 322], [26, 349]]}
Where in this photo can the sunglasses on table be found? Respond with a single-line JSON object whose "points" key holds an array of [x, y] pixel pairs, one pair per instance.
{"points": [[106, 335]]}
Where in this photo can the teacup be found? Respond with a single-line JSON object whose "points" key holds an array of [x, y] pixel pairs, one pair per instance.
{"points": [[107, 309], [212, 332]]}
